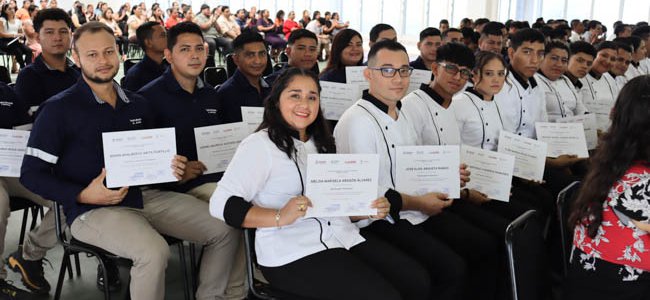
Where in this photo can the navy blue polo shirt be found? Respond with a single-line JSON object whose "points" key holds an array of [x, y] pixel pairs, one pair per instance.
{"points": [[333, 75], [142, 73], [65, 153], [172, 106], [12, 111], [237, 92], [38, 82]]}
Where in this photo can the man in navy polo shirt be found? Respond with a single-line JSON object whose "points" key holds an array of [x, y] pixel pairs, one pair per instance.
{"points": [[64, 162], [51, 72], [152, 37], [302, 48], [180, 99], [246, 87]]}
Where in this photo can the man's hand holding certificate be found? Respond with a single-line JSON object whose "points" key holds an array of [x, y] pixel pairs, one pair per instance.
{"points": [[491, 171], [139, 157], [12, 150], [342, 184], [425, 169], [530, 155], [216, 145]]}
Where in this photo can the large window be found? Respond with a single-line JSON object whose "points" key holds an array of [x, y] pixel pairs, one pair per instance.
{"points": [[554, 9], [416, 17], [636, 10], [607, 12]]}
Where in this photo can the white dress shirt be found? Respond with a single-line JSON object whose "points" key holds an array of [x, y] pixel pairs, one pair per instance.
{"points": [[479, 121], [522, 104], [366, 128], [562, 99], [434, 124], [264, 175], [599, 96], [644, 66]]}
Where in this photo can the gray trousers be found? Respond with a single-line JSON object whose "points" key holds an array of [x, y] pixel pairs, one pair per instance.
{"points": [[39, 240], [237, 288], [135, 234]]}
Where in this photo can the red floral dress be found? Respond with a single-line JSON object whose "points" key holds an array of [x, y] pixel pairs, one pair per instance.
{"points": [[618, 240]]}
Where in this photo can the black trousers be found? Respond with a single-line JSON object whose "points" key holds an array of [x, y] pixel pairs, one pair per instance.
{"points": [[373, 269], [22, 53], [475, 245], [447, 269], [603, 283]]}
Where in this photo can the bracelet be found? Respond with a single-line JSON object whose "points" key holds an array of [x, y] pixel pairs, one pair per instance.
{"points": [[277, 218]]}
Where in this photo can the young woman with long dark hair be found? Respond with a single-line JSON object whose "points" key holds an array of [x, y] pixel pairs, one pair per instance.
{"points": [[611, 243], [347, 51]]}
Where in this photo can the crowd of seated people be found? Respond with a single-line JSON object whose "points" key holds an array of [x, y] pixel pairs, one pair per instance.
{"points": [[486, 77]]}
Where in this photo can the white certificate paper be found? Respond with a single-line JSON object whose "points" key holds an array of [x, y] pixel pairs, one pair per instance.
{"points": [[354, 75], [252, 116], [336, 97], [419, 77], [216, 145], [12, 150], [530, 155], [139, 157], [563, 138], [491, 171], [425, 169], [589, 125], [601, 110], [341, 184]]}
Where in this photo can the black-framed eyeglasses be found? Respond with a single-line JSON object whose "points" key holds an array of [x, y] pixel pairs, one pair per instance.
{"points": [[454, 69], [389, 72]]}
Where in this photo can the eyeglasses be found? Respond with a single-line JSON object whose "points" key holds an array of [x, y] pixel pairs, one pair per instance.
{"points": [[389, 72], [556, 59], [454, 69]]}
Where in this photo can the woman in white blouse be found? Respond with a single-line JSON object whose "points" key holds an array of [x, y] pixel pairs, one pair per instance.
{"points": [[10, 35], [263, 188]]}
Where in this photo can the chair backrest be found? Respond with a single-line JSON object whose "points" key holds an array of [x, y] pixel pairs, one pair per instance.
{"points": [[278, 66], [565, 199], [269, 65], [526, 257], [254, 285], [58, 225], [283, 57], [130, 63], [231, 67], [215, 75], [5, 76]]}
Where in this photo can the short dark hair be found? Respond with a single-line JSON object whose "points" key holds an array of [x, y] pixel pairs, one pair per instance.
{"points": [[525, 35], [492, 28], [606, 45], [452, 29], [224, 7], [180, 28], [467, 32], [299, 34], [246, 37], [89, 27], [51, 14], [385, 44], [444, 21], [481, 21], [145, 32], [582, 47], [429, 31], [555, 44], [624, 46], [642, 31], [574, 23], [633, 41], [456, 53], [620, 28], [377, 29], [593, 24]]}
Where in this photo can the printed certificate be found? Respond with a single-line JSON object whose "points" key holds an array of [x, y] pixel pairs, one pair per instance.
{"points": [[589, 125], [252, 116], [530, 155], [336, 97], [216, 145], [425, 169], [12, 150], [491, 171], [563, 138]]}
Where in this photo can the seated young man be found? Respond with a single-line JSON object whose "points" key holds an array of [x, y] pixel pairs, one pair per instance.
{"points": [[51, 71], [246, 87], [377, 124], [64, 162], [430, 41], [302, 48], [152, 37]]}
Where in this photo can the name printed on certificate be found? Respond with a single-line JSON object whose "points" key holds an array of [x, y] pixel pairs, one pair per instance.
{"points": [[601, 110], [589, 125], [419, 77], [491, 171], [139, 157], [563, 138], [216, 145], [252, 116], [342, 184], [336, 97], [13, 144], [530, 155], [425, 169]]}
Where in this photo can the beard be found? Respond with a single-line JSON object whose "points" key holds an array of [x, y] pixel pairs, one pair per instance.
{"points": [[97, 79]]}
